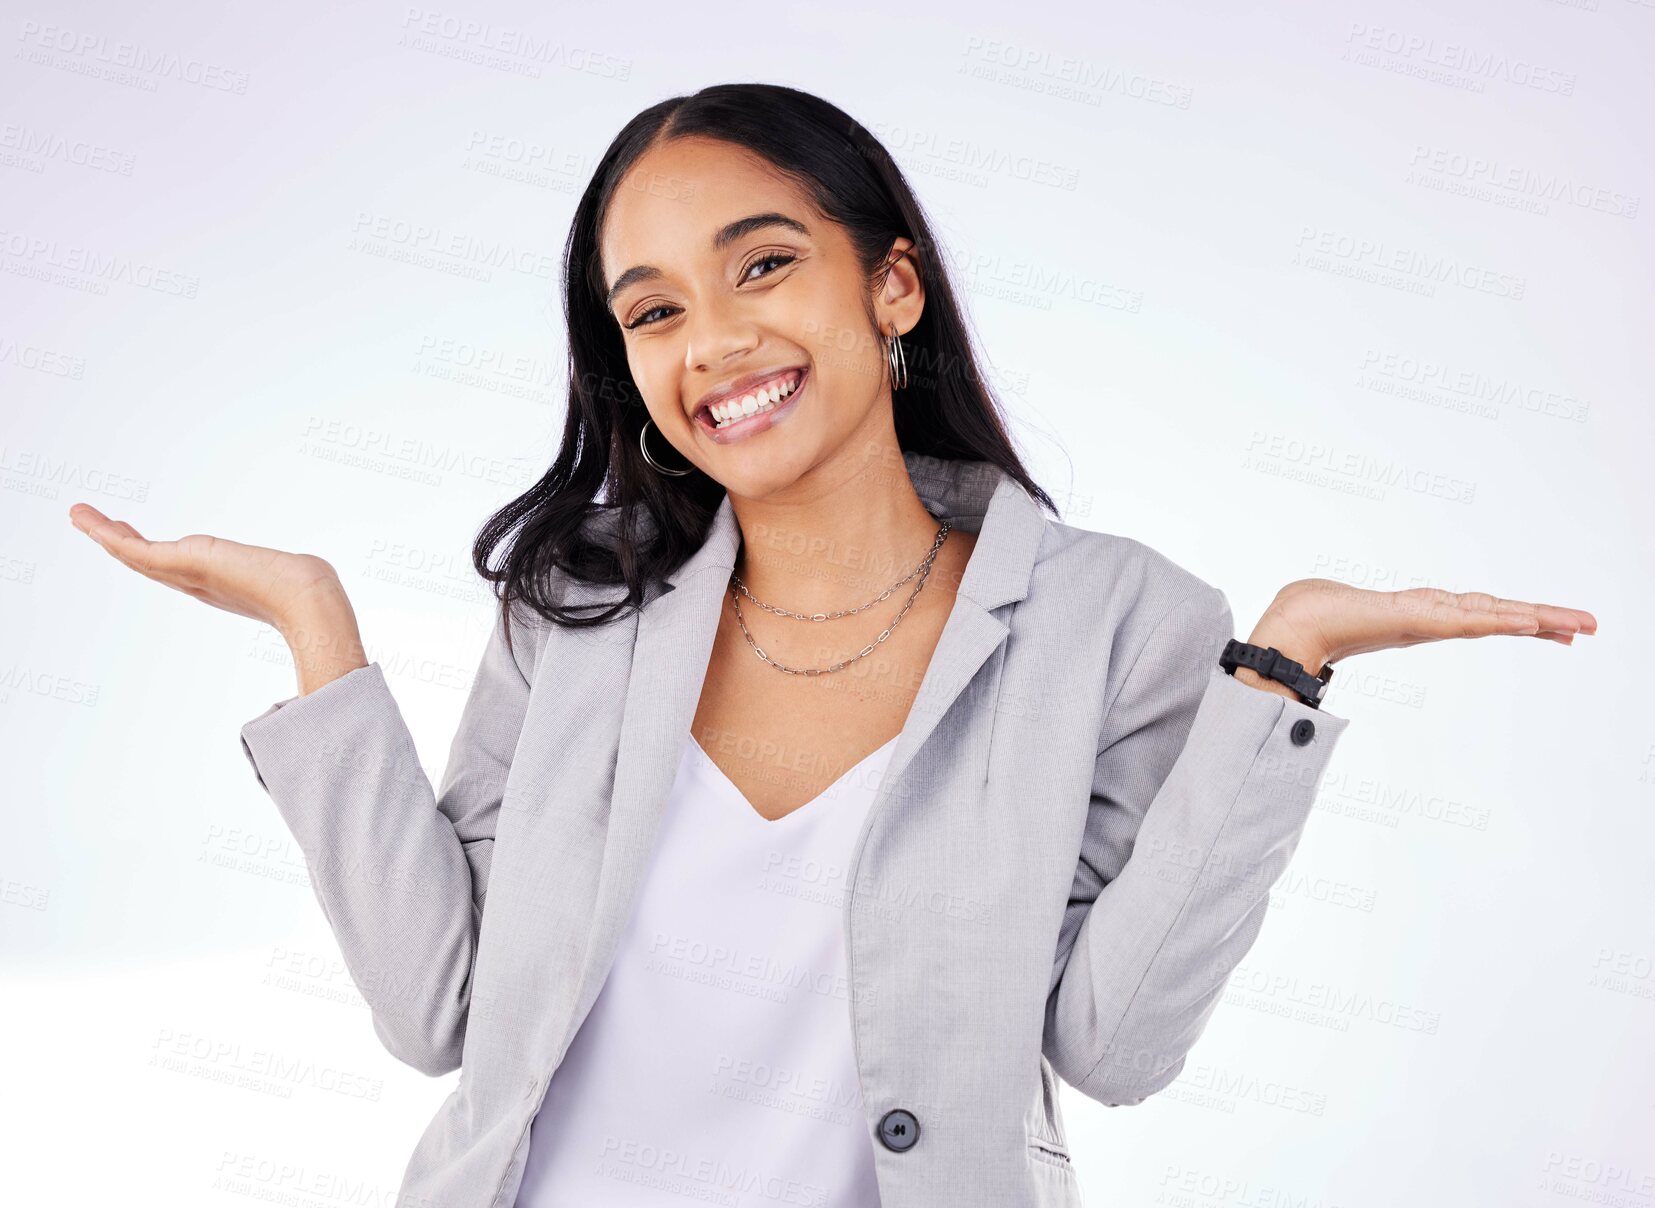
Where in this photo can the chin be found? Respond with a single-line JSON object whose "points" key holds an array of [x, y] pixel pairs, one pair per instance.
{"points": [[761, 477]]}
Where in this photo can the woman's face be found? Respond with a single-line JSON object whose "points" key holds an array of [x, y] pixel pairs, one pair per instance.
{"points": [[714, 292]]}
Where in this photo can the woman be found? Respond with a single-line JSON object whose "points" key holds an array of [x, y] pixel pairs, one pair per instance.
{"points": [[874, 800]]}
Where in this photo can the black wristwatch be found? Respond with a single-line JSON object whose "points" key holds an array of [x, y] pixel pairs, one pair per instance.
{"points": [[1273, 664]]}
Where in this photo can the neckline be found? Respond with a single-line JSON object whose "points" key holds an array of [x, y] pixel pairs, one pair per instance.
{"points": [[809, 806]]}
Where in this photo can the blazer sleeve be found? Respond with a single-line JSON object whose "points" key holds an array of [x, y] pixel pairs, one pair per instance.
{"points": [[400, 872], [1199, 796]]}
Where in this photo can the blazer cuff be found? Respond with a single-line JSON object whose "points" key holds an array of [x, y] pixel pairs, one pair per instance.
{"points": [[1275, 713], [283, 743]]}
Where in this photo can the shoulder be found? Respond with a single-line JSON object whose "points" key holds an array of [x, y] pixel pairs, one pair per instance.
{"points": [[1143, 630], [525, 634], [1119, 577], [533, 633], [1109, 604]]}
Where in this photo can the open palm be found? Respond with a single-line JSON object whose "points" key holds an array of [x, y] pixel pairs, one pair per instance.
{"points": [[1327, 620], [267, 585]]}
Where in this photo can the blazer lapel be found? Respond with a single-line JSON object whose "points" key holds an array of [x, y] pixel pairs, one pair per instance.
{"points": [[676, 629], [1008, 527]]}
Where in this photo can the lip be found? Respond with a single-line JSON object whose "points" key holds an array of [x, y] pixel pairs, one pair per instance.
{"points": [[744, 385], [760, 421]]}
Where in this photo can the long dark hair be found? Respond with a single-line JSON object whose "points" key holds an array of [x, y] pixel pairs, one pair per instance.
{"points": [[601, 514]]}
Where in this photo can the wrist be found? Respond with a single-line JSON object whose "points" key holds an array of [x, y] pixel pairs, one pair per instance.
{"points": [[1248, 676], [1289, 645], [325, 645]]}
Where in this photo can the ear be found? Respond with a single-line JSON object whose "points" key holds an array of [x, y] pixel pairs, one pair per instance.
{"points": [[899, 292]]}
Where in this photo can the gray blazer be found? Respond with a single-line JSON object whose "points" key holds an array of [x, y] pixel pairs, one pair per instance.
{"points": [[1070, 850]]}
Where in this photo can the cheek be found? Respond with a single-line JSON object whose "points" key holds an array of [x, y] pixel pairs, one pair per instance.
{"points": [[656, 375], [834, 330]]}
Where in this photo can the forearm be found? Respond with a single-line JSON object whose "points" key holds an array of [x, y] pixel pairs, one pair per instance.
{"points": [[1150, 960], [396, 881], [400, 865]]}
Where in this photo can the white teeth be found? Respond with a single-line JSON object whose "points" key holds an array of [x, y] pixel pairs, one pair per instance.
{"points": [[751, 404]]}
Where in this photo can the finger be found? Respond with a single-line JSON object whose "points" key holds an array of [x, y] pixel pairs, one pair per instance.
{"points": [[1482, 601], [158, 560], [1555, 617], [101, 530], [1585, 622], [1520, 618], [91, 521], [84, 516], [1470, 615], [112, 530], [1549, 617]]}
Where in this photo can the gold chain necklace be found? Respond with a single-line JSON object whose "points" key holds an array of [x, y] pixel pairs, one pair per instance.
{"points": [[923, 570]]}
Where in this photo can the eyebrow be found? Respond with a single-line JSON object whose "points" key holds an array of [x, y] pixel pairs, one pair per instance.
{"points": [[727, 234]]}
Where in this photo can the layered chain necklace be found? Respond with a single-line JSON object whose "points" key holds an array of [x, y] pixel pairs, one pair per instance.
{"points": [[923, 570]]}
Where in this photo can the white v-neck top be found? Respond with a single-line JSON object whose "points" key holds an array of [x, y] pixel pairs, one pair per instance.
{"points": [[716, 1061]]}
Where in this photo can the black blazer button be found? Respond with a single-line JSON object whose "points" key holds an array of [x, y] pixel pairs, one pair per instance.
{"points": [[1303, 731], [898, 1130]]}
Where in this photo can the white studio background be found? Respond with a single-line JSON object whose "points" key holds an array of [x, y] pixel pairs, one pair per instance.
{"points": [[1282, 290]]}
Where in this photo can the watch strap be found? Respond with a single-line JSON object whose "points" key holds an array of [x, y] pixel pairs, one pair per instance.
{"points": [[1272, 664]]}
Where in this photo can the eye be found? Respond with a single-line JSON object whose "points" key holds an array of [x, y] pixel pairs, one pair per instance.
{"points": [[782, 257], [644, 320]]}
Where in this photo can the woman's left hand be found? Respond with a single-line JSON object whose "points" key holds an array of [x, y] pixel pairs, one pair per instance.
{"points": [[1318, 621]]}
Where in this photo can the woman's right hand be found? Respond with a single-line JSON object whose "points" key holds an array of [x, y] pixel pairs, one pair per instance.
{"points": [[284, 590]]}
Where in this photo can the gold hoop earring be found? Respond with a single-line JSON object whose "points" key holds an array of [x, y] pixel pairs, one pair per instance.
{"points": [[897, 359], [644, 449]]}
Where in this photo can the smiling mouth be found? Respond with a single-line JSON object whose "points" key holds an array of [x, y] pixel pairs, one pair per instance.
{"points": [[730, 411]]}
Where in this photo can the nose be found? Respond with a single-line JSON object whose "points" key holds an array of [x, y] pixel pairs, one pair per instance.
{"points": [[714, 333]]}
